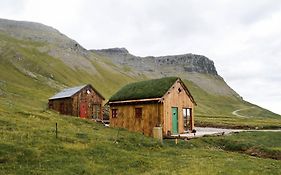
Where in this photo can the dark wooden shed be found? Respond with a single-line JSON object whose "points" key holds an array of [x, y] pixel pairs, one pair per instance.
{"points": [[164, 102], [81, 101]]}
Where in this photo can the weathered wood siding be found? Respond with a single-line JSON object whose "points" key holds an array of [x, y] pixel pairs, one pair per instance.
{"points": [[71, 105], [151, 117], [63, 106], [91, 99], [174, 98]]}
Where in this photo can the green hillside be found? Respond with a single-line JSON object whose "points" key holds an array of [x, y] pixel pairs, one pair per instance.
{"points": [[28, 145], [33, 68], [216, 110], [30, 76]]}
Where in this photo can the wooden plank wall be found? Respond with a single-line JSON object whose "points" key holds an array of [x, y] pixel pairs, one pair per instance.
{"points": [[151, 117], [56, 105], [91, 99], [181, 100], [72, 105]]}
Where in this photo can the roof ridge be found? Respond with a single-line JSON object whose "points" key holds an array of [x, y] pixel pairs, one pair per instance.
{"points": [[67, 92]]}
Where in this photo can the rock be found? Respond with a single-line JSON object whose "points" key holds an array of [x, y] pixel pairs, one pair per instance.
{"points": [[183, 63], [196, 68]]}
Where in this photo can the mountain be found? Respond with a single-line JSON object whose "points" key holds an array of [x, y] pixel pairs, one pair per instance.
{"points": [[37, 60], [196, 68]]}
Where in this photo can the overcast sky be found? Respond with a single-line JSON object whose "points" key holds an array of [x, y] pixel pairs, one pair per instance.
{"points": [[242, 37]]}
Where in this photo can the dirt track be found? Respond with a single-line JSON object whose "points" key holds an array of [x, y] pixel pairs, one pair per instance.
{"points": [[239, 115]]}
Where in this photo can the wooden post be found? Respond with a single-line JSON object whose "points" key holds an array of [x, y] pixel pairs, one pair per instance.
{"points": [[56, 130], [157, 134]]}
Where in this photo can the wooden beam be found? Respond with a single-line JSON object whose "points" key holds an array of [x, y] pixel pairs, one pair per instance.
{"points": [[131, 101]]}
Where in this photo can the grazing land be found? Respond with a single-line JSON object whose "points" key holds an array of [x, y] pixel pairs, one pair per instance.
{"points": [[28, 145], [36, 61]]}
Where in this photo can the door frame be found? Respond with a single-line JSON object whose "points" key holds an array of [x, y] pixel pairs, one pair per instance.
{"points": [[190, 118], [85, 104], [96, 110], [177, 120]]}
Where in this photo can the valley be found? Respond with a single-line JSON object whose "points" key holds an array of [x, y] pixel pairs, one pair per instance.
{"points": [[36, 61]]}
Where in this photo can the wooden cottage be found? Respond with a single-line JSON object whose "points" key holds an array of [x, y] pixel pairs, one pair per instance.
{"points": [[81, 101], [164, 102]]}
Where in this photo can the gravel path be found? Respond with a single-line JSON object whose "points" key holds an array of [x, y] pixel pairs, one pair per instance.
{"points": [[202, 131]]}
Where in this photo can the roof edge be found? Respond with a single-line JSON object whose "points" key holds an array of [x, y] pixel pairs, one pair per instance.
{"points": [[185, 89], [188, 92], [96, 91], [137, 100], [82, 87]]}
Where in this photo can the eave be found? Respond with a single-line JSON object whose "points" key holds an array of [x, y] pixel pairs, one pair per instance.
{"points": [[135, 101]]}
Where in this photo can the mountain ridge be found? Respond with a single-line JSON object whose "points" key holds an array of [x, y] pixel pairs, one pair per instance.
{"points": [[34, 69], [199, 63], [197, 68]]}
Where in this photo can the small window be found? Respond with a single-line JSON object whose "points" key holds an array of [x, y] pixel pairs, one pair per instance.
{"points": [[138, 112], [179, 90], [114, 113], [186, 118]]}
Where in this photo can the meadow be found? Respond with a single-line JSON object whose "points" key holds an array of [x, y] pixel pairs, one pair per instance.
{"points": [[28, 142], [29, 145]]}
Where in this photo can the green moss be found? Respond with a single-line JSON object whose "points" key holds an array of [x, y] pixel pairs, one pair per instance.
{"points": [[144, 89]]}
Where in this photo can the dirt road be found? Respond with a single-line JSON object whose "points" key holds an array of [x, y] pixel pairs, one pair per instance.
{"points": [[239, 115]]}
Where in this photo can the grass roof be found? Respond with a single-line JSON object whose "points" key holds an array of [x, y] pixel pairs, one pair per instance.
{"points": [[154, 88]]}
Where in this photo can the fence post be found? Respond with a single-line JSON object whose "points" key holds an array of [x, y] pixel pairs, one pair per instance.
{"points": [[56, 130]]}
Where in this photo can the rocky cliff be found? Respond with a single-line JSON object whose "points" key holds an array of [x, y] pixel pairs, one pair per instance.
{"points": [[182, 63], [196, 68]]}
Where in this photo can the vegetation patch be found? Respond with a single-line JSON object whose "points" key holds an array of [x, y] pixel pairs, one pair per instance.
{"points": [[144, 89], [259, 144]]}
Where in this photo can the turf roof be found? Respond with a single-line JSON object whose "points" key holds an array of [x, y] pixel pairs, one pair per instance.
{"points": [[155, 88]]}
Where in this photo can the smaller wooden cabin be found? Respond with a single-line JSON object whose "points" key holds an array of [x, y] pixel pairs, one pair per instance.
{"points": [[81, 101], [164, 102]]}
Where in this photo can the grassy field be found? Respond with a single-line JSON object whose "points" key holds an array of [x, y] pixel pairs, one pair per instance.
{"points": [[28, 145], [260, 144]]}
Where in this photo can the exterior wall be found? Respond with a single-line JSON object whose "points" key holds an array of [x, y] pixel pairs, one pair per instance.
{"points": [[151, 117], [91, 99], [174, 98], [71, 106], [63, 106]]}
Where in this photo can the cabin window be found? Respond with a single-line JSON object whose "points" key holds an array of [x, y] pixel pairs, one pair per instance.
{"points": [[186, 118], [96, 111], [138, 112], [113, 113], [179, 90]]}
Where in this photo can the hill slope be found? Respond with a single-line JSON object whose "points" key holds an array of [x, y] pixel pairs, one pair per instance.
{"points": [[36, 61], [28, 145]]}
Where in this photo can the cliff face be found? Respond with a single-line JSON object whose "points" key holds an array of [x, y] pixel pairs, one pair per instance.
{"points": [[181, 63], [196, 68]]}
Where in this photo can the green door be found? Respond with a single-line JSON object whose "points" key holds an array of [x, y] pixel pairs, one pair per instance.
{"points": [[175, 120]]}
